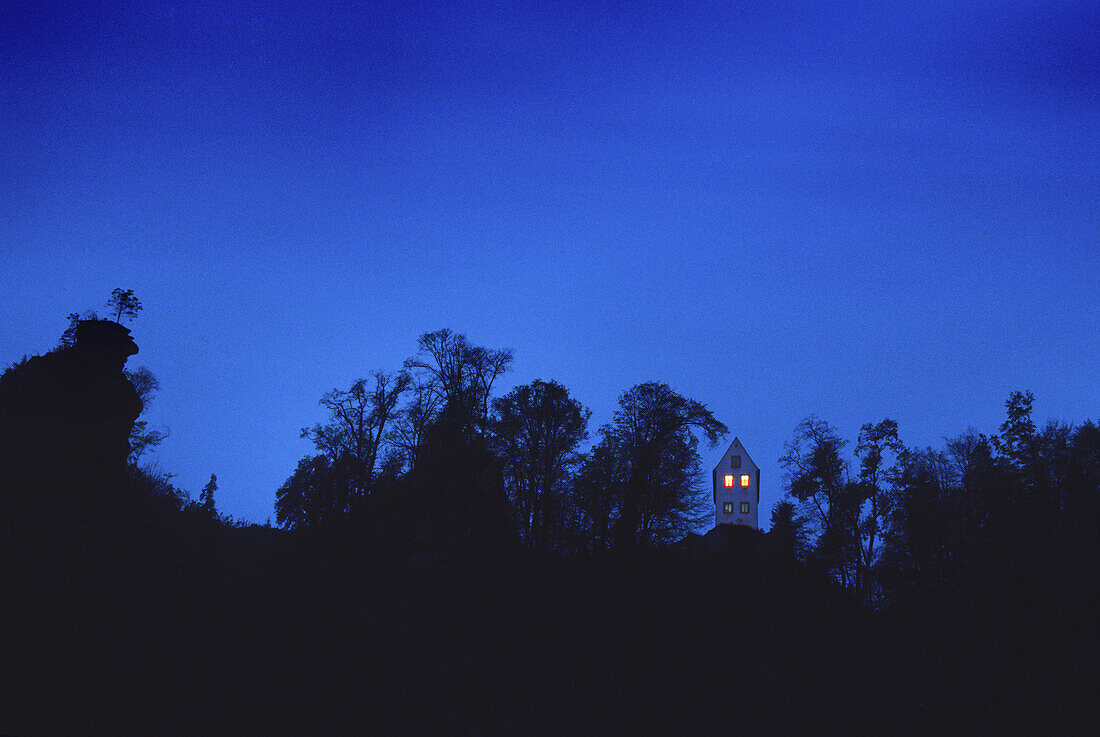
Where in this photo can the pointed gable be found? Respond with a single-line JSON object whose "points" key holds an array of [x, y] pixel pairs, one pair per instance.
{"points": [[736, 449]]}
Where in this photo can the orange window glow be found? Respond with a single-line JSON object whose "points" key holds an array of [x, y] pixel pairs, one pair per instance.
{"points": [[729, 481], [744, 480]]}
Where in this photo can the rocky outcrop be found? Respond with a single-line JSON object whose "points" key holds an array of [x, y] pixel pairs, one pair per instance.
{"points": [[65, 421]]}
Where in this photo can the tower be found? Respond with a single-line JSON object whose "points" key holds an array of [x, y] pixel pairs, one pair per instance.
{"points": [[736, 482]]}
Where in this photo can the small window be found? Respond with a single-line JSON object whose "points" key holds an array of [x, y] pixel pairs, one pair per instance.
{"points": [[744, 507], [727, 507], [744, 481], [729, 481], [735, 461]]}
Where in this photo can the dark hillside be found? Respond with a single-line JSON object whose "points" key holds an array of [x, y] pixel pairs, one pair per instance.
{"points": [[129, 609], [254, 631]]}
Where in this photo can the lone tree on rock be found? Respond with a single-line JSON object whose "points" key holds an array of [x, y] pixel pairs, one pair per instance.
{"points": [[124, 303]]}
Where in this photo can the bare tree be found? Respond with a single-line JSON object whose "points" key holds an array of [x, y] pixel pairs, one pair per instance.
{"points": [[324, 487], [411, 422], [461, 375], [357, 422]]}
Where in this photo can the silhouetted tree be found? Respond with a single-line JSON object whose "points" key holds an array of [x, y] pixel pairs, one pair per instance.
{"points": [[353, 436], [1082, 498], [988, 511], [460, 374], [536, 430], [1017, 434], [925, 531], [206, 497], [124, 303], [68, 338], [972, 456], [142, 438], [315, 494], [1036, 463], [876, 478], [326, 487], [411, 422], [457, 489], [787, 534], [816, 476], [646, 466], [596, 498]]}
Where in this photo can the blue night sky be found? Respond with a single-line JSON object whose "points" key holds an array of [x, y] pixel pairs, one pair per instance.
{"points": [[848, 209]]}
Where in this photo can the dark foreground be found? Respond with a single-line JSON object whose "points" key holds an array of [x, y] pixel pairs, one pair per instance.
{"points": [[254, 631]]}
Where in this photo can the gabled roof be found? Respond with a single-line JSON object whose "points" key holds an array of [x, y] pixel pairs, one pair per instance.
{"points": [[729, 449]]}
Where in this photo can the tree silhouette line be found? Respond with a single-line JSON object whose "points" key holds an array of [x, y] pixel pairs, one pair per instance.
{"points": [[492, 468], [453, 561], [913, 522]]}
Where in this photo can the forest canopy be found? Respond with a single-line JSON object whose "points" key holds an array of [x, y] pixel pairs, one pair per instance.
{"points": [[441, 538]]}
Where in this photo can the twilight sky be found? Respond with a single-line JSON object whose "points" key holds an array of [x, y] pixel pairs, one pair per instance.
{"points": [[845, 209]]}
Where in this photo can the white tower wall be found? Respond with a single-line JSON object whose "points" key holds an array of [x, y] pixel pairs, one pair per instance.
{"points": [[738, 503]]}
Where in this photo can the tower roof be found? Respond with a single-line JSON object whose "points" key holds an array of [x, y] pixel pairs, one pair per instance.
{"points": [[733, 447]]}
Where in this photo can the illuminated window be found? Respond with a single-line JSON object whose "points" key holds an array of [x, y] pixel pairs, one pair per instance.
{"points": [[729, 481], [744, 507], [735, 461], [728, 507], [744, 480]]}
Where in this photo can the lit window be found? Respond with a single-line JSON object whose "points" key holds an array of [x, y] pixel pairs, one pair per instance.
{"points": [[744, 481], [729, 481], [744, 507], [728, 507], [735, 461]]}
